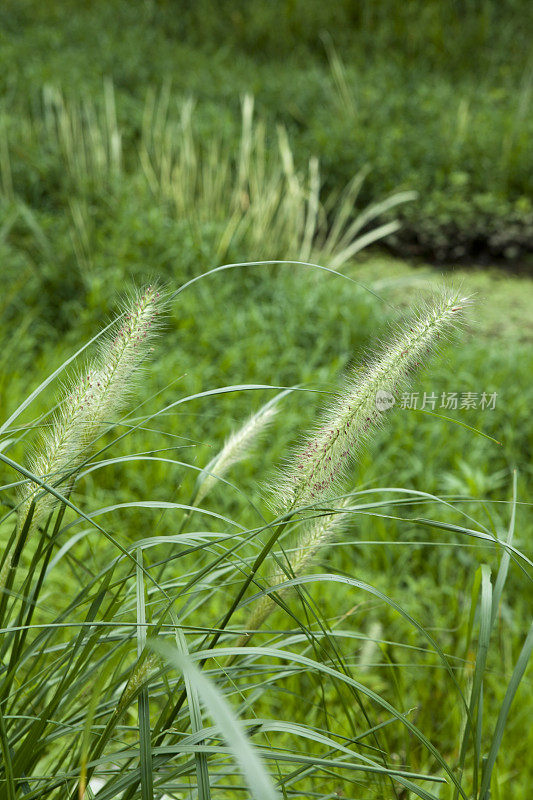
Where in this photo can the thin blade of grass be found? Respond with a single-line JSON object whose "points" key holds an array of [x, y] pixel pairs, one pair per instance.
{"points": [[145, 747], [6, 753], [505, 559], [497, 737], [252, 767], [195, 713]]}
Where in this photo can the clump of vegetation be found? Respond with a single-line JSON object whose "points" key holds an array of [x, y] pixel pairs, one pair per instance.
{"points": [[276, 130], [95, 700], [428, 97], [209, 198]]}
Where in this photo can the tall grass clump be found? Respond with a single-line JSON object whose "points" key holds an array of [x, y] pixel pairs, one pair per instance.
{"points": [[315, 471], [235, 193], [127, 667], [87, 137], [254, 192]]}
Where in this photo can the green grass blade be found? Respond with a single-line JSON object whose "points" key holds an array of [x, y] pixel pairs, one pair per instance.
{"points": [[230, 729], [36, 392], [145, 747], [505, 559], [497, 737], [195, 712], [474, 720], [7, 765]]}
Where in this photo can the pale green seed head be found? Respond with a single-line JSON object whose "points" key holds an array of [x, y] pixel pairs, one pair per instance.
{"points": [[92, 400], [318, 466]]}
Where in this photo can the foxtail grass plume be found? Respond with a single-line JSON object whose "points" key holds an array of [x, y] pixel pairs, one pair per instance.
{"points": [[92, 400], [313, 535], [315, 470], [236, 447]]}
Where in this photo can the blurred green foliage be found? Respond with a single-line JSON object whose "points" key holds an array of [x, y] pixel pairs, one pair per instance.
{"points": [[433, 96]]}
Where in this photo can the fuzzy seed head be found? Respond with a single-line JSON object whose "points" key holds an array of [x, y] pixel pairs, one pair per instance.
{"points": [[237, 446], [313, 535], [314, 472], [92, 400]]}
